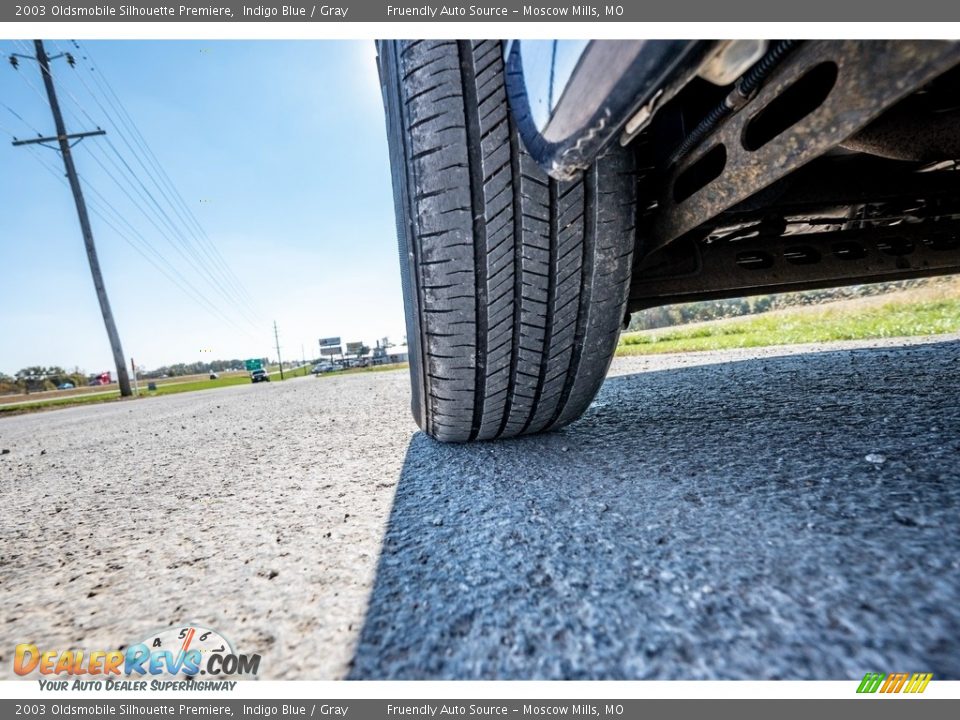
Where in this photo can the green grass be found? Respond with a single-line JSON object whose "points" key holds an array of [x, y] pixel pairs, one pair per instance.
{"points": [[302, 371], [13, 409], [170, 389], [804, 325]]}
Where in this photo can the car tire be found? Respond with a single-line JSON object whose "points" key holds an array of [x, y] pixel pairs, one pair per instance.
{"points": [[515, 285]]}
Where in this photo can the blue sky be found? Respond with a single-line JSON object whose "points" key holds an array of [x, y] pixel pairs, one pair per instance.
{"points": [[278, 149]]}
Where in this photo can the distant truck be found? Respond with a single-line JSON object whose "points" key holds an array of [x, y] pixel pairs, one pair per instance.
{"points": [[257, 372], [101, 379]]}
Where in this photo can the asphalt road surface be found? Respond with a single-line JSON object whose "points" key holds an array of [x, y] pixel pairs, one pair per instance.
{"points": [[785, 513]]}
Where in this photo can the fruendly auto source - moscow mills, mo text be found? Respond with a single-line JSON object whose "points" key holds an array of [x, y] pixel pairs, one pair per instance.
{"points": [[478, 11]]}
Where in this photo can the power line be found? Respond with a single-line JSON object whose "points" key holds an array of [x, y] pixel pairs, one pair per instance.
{"points": [[155, 207], [21, 119], [138, 136], [160, 230], [147, 195], [125, 119], [190, 290], [168, 220], [166, 217], [102, 214]]}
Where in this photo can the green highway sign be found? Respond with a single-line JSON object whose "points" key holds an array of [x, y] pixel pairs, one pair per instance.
{"points": [[254, 364]]}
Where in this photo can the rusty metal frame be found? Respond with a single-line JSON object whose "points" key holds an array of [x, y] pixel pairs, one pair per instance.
{"points": [[872, 76]]}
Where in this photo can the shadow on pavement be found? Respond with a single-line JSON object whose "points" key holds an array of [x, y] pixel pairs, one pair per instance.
{"points": [[720, 521]]}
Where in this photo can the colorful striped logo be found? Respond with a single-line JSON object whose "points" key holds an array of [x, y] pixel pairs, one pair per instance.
{"points": [[894, 683]]}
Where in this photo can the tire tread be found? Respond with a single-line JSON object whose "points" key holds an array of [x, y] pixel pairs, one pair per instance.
{"points": [[521, 281]]}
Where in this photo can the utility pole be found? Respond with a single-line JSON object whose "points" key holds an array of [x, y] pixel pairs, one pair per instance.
{"points": [[123, 379], [277, 338]]}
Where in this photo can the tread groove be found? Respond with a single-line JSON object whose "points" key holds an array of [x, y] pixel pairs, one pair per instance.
{"points": [[471, 113], [551, 291], [588, 247]]}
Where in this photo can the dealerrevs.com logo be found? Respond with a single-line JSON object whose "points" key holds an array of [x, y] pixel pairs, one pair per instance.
{"points": [[175, 658]]}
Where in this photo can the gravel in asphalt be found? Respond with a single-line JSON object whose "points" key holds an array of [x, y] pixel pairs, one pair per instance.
{"points": [[778, 513]]}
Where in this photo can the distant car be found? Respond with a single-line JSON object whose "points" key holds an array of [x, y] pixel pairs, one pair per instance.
{"points": [[214, 376], [259, 376], [65, 386], [323, 367]]}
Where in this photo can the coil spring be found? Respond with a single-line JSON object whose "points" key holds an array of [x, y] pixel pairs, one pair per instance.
{"points": [[746, 86]]}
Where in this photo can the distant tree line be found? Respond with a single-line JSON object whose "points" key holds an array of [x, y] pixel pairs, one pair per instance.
{"points": [[37, 378], [196, 368]]}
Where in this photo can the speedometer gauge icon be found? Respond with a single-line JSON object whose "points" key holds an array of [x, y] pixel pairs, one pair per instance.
{"points": [[190, 649]]}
